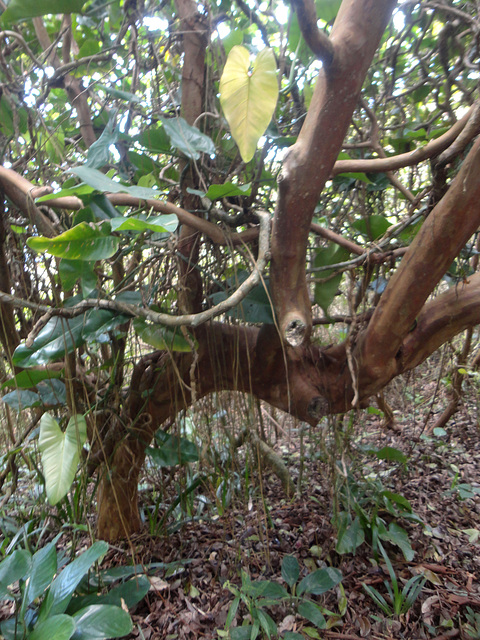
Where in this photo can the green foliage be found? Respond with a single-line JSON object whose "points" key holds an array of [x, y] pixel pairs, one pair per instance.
{"points": [[60, 336], [22, 9], [399, 600], [172, 450], [367, 507], [257, 595], [45, 592]]}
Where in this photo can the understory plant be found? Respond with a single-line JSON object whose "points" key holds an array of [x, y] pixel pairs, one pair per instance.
{"points": [[370, 512], [44, 607], [259, 595], [397, 600]]}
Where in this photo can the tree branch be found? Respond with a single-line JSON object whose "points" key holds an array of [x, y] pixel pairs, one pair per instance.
{"points": [[316, 39]]}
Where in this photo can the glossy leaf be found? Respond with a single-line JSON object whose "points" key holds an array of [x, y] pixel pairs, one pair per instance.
{"points": [[60, 453], [248, 97], [161, 337], [59, 627], [319, 581], [64, 585], [21, 399], [82, 242], [312, 613], [14, 567], [227, 190], [28, 379], [72, 271], [22, 9], [60, 336], [350, 536], [187, 139], [43, 569], [104, 184], [290, 570], [131, 592], [372, 227], [172, 450], [159, 224], [101, 621]]}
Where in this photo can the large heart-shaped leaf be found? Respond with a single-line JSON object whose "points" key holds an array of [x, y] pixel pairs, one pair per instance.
{"points": [[248, 97], [60, 453]]}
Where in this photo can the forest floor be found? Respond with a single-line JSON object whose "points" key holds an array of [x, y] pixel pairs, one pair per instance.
{"points": [[343, 470], [440, 478]]}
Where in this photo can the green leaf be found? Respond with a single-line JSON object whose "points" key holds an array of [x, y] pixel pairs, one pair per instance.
{"points": [[82, 242], [60, 453], [59, 627], [64, 585], [291, 635], [312, 613], [142, 222], [325, 292], [319, 581], [21, 399], [71, 271], [256, 307], [248, 98], [131, 592], [290, 570], [398, 536], [43, 569], [52, 392], [161, 337], [101, 621], [14, 567], [99, 152], [242, 633], [350, 537], [173, 450], [28, 379], [187, 139], [372, 227], [60, 336], [104, 184], [392, 454], [227, 190], [22, 9], [327, 9]]}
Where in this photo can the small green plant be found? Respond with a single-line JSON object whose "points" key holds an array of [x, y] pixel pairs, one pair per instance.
{"points": [[472, 628], [399, 600], [257, 595], [370, 512], [44, 597]]}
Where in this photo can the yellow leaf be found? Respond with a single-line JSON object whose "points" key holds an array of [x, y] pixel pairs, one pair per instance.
{"points": [[248, 98]]}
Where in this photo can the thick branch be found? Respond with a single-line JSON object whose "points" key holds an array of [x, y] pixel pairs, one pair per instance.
{"points": [[355, 37], [451, 223]]}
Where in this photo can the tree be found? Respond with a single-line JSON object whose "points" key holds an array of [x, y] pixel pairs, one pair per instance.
{"points": [[131, 219]]}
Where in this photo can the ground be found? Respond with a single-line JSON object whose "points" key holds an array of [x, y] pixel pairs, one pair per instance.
{"points": [[206, 553], [441, 480]]}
